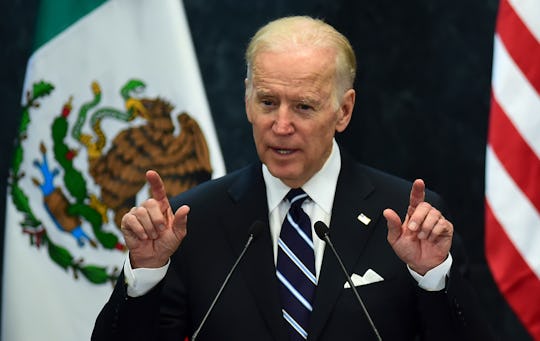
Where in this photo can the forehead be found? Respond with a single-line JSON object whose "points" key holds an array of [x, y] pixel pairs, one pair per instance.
{"points": [[307, 68]]}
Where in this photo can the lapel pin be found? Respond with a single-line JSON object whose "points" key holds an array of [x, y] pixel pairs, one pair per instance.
{"points": [[364, 219]]}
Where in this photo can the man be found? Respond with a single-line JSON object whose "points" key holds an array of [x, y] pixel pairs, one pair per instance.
{"points": [[299, 93]]}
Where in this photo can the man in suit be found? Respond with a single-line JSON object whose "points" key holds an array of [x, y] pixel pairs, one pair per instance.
{"points": [[299, 93]]}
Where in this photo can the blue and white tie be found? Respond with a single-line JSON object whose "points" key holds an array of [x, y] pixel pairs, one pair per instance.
{"points": [[296, 266]]}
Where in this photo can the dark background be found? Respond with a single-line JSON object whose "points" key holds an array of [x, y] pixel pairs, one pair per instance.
{"points": [[422, 109]]}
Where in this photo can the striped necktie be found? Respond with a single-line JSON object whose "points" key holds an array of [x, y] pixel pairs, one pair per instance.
{"points": [[296, 266]]}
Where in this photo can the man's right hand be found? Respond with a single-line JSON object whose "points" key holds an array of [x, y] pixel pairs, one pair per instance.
{"points": [[151, 231]]}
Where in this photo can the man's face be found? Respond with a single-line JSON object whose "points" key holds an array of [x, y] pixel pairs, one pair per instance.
{"points": [[294, 113]]}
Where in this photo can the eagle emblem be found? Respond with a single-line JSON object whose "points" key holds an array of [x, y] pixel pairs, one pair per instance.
{"points": [[87, 174]]}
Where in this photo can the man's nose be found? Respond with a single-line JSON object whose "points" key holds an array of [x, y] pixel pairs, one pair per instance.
{"points": [[283, 122]]}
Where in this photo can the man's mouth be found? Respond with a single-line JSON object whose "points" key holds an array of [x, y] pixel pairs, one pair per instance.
{"points": [[283, 151]]}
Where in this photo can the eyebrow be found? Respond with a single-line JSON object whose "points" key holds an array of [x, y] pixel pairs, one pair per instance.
{"points": [[262, 92]]}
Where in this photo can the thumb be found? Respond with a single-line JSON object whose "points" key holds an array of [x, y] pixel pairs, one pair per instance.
{"points": [[179, 223], [394, 225]]}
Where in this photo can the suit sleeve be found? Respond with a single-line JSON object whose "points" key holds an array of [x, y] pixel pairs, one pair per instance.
{"points": [[139, 318], [124, 317], [453, 313]]}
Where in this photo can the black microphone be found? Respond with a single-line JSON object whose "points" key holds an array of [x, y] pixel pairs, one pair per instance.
{"points": [[254, 231], [322, 231]]}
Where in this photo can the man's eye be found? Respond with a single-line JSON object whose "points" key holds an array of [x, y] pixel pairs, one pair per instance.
{"points": [[304, 107]]}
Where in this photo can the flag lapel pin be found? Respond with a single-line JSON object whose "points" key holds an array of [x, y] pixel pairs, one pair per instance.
{"points": [[364, 219]]}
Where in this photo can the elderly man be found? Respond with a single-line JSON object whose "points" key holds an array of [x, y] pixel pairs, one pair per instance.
{"points": [[290, 286]]}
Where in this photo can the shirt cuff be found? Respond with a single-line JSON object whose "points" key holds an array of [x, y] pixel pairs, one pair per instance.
{"points": [[434, 279], [140, 281]]}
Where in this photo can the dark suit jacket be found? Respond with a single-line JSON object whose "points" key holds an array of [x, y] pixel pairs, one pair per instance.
{"points": [[221, 213]]}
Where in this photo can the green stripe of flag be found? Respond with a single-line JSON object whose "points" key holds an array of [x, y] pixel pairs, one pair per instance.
{"points": [[54, 16]]}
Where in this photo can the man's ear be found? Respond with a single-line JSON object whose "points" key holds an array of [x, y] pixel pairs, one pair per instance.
{"points": [[246, 100], [345, 110]]}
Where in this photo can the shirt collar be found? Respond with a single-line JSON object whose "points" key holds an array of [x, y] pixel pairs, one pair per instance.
{"points": [[320, 188]]}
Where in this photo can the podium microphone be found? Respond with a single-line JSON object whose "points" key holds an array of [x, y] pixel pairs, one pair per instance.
{"points": [[322, 231], [254, 231]]}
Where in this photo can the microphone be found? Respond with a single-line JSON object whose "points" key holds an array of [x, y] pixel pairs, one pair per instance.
{"points": [[322, 231], [254, 231]]}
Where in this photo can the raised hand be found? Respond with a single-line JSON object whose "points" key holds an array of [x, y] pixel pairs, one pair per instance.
{"points": [[152, 231], [424, 238]]}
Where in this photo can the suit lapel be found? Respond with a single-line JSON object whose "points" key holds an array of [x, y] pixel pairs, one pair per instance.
{"points": [[248, 194], [349, 236]]}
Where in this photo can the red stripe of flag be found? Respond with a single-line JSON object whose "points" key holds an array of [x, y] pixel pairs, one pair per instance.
{"points": [[515, 279], [515, 154], [520, 43]]}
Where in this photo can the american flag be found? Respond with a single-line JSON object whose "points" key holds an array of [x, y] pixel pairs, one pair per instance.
{"points": [[512, 232]]}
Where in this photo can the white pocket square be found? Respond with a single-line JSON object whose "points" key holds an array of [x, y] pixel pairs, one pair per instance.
{"points": [[369, 277]]}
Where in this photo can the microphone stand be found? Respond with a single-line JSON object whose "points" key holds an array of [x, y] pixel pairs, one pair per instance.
{"points": [[322, 231], [254, 231]]}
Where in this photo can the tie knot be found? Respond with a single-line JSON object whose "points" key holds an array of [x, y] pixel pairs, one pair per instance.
{"points": [[296, 196]]}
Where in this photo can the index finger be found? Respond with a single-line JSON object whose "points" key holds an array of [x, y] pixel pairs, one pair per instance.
{"points": [[418, 194], [157, 188]]}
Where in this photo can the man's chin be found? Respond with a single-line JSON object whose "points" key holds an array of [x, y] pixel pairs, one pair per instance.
{"points": [[283, 175], [289, 177]]}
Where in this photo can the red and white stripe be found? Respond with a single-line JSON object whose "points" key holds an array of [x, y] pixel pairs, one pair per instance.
{"points": [[513, 161]]}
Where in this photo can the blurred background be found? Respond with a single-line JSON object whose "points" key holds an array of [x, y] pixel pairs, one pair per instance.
{"points": [[423, 91]]}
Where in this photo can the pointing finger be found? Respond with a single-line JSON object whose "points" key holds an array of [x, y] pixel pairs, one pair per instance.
{"points": [[418, 194], [157, 188]]}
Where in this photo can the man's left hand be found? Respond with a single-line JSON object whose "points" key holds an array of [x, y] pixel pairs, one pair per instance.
{"points": [[424, 238]]}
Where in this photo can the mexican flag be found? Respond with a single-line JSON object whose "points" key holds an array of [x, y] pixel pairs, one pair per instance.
{"points": [[112, 90]]}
